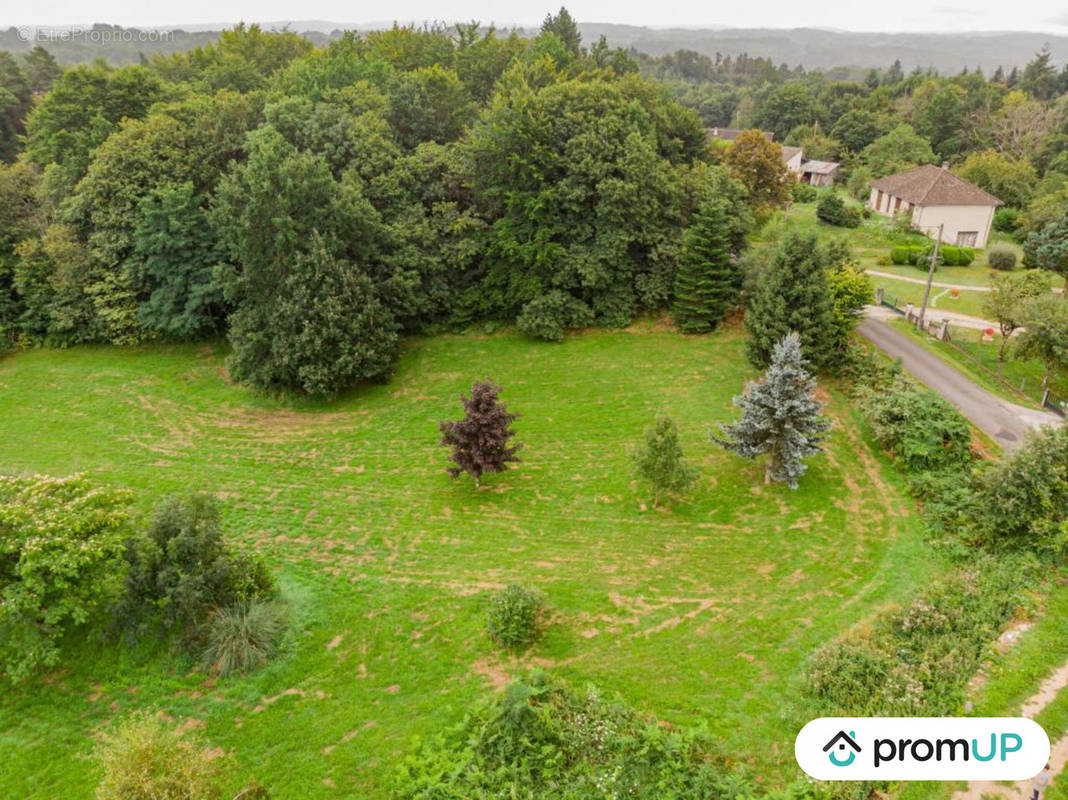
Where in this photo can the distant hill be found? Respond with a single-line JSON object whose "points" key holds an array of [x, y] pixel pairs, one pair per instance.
{"points": [[813, 48], [822, 49]]}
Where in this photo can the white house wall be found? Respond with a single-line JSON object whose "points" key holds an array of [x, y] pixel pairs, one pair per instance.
{"points": [[955, 219], [927, 218]]}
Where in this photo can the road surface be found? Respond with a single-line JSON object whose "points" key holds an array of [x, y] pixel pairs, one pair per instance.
{"points": [[1004, 422]]}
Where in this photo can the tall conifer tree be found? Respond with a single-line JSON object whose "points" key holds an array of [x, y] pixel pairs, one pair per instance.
{"points": [[793, 293], [706, 281]]}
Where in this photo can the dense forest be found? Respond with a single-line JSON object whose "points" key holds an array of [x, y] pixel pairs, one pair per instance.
{"points": [[316, 204]]}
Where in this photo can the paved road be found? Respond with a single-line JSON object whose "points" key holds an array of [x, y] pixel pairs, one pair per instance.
{"points": [[1004, 422]]}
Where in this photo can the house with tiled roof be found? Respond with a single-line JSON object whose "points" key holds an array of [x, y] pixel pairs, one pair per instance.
{"points": [[935, 196]]}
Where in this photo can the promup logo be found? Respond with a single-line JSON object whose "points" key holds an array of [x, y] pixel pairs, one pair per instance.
{"points": [[842, 740], [921, 748]]}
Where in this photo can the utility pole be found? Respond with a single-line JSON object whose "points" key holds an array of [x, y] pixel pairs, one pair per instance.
{"points": [[930, 277]]}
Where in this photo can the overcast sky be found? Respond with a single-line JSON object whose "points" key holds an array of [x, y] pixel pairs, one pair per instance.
{"points": [[893, 15]]}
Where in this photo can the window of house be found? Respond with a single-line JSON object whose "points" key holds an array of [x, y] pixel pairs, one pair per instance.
{"points": [[967, 238]]}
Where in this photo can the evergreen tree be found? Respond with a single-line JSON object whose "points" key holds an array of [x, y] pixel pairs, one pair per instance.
{"points": [[792, 293], [706, 281], [1048, 248], [41, 69], [480, 441], [780, 416], [659, 461], [563, 25]]}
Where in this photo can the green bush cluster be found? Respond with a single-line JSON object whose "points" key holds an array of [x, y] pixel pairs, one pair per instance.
{"points": [[541, 738], [1001, 257], [1006, 219], [515, 616], [181, 571], [917, 660], [953, 256], [922, 431], [60, 553], [549, 315], [832, 210], [803, 193], [905, 254], [920, 255]]}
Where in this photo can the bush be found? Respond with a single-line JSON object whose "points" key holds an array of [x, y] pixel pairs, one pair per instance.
{"points": [[901, 254], [60, 552], [916, 661], [1001, 257], [515, 616], [243, 637], [1006, 219], [548, 316], [144, 759], [953, 256], [803, 193], [918, 427], [541, 738], [181, 570], [1023, 499], [832, 210]]}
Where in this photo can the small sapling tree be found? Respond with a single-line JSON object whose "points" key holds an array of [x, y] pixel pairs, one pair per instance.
{"points": [[481, 441], [659, 461]]}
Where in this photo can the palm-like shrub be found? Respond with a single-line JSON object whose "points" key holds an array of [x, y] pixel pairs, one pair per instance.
{"points": [[243, 637]]}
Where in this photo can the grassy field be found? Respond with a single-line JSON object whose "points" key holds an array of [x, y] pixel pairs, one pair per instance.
{"points": [[700, 613]]}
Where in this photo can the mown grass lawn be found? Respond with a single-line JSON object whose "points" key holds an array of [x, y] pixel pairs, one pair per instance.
{"points": [[703, 613], [941, 299]]}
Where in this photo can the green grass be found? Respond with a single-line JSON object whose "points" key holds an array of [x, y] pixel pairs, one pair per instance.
{"points": [[902, 292], [700, 613]]}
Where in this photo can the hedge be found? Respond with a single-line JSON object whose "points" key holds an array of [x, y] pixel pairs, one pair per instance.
{"points": [[920, 255]]}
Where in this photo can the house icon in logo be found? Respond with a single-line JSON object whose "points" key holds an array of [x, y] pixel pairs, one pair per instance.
{"points": [[839, 743]]}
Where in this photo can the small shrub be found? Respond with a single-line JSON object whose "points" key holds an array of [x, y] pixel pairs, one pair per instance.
{"points": [[901, 255], [966, 255], [866, 212], [144, 759], [1001, 257], [1006, 219], [515, 616], [832, 210], [951, 255], [901, 223], [548, 316], [243, 637], [803, 193]]}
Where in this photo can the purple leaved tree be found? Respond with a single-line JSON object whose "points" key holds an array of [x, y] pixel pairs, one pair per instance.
{"points": [[480, 441]]}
